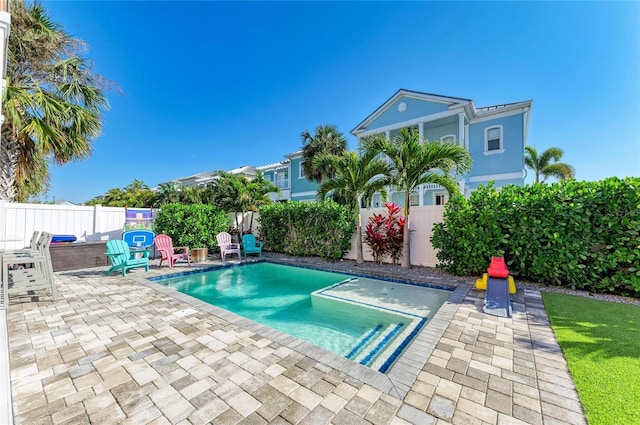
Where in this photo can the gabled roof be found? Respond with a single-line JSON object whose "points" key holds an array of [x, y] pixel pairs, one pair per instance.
{"points": [[452, 101]]}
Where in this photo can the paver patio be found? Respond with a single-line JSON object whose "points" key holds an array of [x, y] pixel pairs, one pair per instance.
{"points": [[116, 349]]}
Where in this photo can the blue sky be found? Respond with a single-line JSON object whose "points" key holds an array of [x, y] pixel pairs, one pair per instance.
{"points": [[213, 85]]}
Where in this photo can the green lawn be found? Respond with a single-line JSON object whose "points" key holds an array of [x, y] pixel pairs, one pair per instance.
{"points": [[601, 342]]}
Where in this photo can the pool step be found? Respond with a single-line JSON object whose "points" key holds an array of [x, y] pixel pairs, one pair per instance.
{"points": [[373, 343]]}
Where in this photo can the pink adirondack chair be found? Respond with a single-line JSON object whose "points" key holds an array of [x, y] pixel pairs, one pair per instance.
{"points": [[164, 244], [226, 246]]}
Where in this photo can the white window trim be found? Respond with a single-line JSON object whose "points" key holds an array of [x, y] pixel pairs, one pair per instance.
{"points": [[486, 140], [301, 171], [448, 135], [445, 194]]}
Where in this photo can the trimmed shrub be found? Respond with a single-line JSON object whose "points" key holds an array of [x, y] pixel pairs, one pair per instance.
{"points": [[195, 225], [307, 229], [584, 235]]}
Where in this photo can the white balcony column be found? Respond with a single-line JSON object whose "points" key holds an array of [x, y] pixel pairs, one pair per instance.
{"points": [[461, 135], [466, 136], [387, 134], [421, 195], [421, 131]]}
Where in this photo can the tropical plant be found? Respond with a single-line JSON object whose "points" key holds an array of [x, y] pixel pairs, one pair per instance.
{"points": [[238, 195], [579, 234], [546, 164], [357, 178], [394, 226], [414, 162], [195, 226], [384, 235], [259, 189], [326, 140], [167, 194], [53, 105], [136, 195], [307, 228], [374, 237]]}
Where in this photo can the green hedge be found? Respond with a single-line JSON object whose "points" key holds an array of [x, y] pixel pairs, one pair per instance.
{"points": [[195, 226], [307, 229], [584, 235]]}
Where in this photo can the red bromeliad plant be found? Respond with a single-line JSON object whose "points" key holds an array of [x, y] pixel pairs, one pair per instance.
{"points": [[384, 234], [374, 237], [395, 231]]}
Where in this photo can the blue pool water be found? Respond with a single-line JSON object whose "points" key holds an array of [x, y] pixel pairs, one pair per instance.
{"points": [[280, 297]]}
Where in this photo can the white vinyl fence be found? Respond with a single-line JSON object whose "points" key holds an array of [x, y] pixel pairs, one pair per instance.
{"points": [[95, 223], [86, 223]]}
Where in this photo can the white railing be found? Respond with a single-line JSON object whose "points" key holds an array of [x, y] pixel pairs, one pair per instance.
{"points": [[86, 223]]}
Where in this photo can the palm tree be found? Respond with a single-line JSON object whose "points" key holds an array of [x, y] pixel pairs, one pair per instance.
{"points": [[357, 179], [259, 189], [167, 194], [326, 140], [415, 162], [53, 106], [547, 165]]}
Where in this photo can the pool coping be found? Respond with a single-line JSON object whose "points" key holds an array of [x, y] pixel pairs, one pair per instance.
{"points": [[396, 381]]}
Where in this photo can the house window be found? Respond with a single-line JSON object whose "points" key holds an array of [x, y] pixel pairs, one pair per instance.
{"points": [[440, 198], [282, 180], [301, 171], [449, 138], [414, 199], [493, 140]]}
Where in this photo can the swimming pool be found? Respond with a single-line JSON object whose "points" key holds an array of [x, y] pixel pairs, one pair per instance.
{"points": [[366, 320]]}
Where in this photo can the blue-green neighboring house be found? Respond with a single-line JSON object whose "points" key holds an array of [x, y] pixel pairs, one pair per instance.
{"points": [[289, 178], [495, 137]]}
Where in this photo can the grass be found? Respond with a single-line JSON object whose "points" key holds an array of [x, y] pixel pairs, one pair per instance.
{"points": [[601, 342]]}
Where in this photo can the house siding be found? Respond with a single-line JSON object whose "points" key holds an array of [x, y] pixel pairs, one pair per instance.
{"points": [[509, 161], [436, 133], [415, 108], [300, 184]]}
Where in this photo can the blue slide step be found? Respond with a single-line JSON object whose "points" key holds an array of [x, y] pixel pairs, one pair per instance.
{"points": [[497, 300]]}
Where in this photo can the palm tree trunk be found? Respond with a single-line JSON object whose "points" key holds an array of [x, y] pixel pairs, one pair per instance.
{"points": [[406, 254], [359, 255], [8, 165]]}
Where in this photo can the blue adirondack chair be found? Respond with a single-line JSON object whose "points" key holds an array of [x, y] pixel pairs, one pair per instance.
{"points": [[251, 246], [119, 255]]}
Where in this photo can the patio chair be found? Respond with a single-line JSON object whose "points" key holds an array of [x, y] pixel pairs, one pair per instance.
{"points": [[226, 246], [164, 244], [251, 246], [38, 276], [119, 255]]}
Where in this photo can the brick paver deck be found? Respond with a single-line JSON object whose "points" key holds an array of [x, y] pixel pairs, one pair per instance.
{"points": [[116, 349]]}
